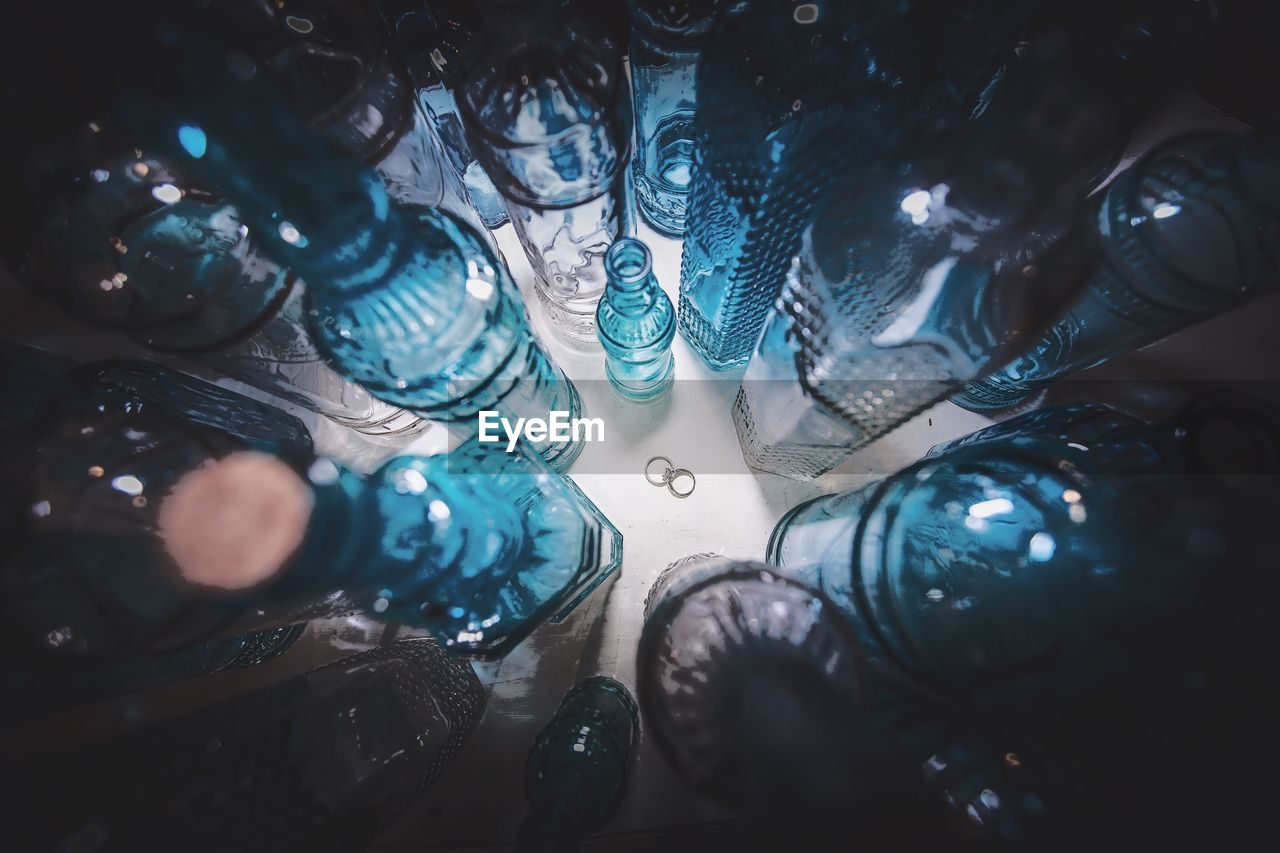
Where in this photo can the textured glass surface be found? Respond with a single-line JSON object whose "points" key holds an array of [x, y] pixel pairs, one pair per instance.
{"points": [[548, 114], [1191, 231], [666, 42], [788, 96], [576, 773], [432, 42], [916, 278], [1004, 571], [411, 303], [321, 761], [478, 546], [636, 323]]}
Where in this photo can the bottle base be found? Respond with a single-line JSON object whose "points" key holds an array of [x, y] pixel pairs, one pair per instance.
{"points": [[794, 461]]}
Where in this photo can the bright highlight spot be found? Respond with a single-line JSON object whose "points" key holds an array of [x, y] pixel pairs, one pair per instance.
{"points": [[1165, 210], [292, 235], [167, 193], [128, 484], [916, 205], [1042, 547], [479, 288], [995, 506]]}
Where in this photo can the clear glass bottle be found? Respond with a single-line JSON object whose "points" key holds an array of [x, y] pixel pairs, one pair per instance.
{"points": [[142, 534], [779, 113], [432, 40], [916, 276], [324, 760], [636, 323], [759, 693], [409, 302], [666, 41], [548, 112], [1190, 231], [576, 775]]}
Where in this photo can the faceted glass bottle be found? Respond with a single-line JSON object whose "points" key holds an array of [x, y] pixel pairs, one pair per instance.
{"points": [[548, 112], [918, 275], [1191, 231], [321, 761], [666, 41], [790, 94], [636, 324], [143, 534], [411, 303], [576, 773], [432, 41]]}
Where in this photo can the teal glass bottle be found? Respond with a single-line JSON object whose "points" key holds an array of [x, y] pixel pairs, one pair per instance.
{"points": [[1191, 231], [920, 273], [321, 761], [759, 692], [790, 94], [1007, 549], [144, 534], [548, 113], [576, 773], [410, 302], [636, 323], [666, 41]]}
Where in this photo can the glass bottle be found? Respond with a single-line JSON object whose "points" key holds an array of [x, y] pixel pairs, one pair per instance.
{"points": [[917, 276], [758, 692], [410, 302], [1190, 231], [142, 534], [636, 324], [48, 687], [548, 112], [432, 40], [324, 760], [667, 39], [985, 560], [576, 773], [779, 113]]}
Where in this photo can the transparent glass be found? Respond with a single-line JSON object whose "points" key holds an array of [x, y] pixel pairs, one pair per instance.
{"points": [[636, 323], [411, 303], [548, 114], [432, 42], [576, 773], [1189, 232], [918, 276], [789, 95], [327, 759], [478, 546], [666, 41]]}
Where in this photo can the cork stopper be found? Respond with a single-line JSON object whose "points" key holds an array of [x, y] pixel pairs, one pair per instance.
{"points": [[234, 522]]}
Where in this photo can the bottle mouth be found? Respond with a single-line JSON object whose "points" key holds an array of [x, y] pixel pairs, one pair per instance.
{"points": [[628, 261]]}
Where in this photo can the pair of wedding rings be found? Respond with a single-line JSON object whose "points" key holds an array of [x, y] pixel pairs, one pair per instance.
{"points": [[670, 475]]}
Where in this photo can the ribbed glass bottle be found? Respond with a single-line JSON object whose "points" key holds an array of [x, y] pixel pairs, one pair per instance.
{"points": [[576, 775], [666, 41], [548, 113], [1191, 231], [636, 323]]}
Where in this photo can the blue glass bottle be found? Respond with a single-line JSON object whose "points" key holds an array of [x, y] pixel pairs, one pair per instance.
{"points": [[411, 303], [576, 773], [759, 693], [432, 41], [548, 112], [141, 534], [780, 111], [636, 324], [666, 41], [323, 760], [917, 275], [977, 565], [1190, 231]]}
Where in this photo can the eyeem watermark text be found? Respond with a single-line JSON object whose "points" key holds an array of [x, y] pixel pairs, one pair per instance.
{"points": [[557, 427]]}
